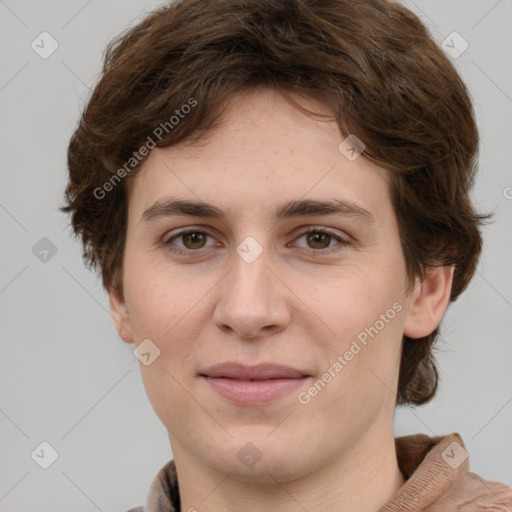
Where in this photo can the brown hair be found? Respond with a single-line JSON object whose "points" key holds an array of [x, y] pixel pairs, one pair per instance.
{"points": [[372, 62]]}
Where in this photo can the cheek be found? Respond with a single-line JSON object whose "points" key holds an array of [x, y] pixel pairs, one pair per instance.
{"points": [[169, 397], [157, 296], [165, 314], [357, 382], [353, 299], [366, 311]]}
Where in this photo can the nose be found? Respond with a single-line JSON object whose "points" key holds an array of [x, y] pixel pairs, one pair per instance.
{"points": [[253, 301]]}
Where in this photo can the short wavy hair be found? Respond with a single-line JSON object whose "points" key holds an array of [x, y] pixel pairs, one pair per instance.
{"points": [[372, 62]]}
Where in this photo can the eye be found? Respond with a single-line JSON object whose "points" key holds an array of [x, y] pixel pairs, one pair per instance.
{"points": [[192, 240], [318, 238]]}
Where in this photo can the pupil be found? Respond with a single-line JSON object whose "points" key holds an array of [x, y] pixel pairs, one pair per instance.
{"points": [[318, 238], [195, 238]]}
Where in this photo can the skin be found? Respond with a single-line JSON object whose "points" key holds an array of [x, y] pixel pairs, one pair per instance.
{"points": [[301, 303]]}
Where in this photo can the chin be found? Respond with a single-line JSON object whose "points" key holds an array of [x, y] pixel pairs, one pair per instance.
{"points": [[259, 460]]}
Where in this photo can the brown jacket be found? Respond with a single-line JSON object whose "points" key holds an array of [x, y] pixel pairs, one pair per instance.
{"points": [[437, 476]]}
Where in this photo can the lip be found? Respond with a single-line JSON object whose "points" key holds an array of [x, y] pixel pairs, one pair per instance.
{"points": [[261, 371], [255, 384]]}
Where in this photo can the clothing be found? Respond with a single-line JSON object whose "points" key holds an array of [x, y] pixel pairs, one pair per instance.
{"points": [[436, 470]]}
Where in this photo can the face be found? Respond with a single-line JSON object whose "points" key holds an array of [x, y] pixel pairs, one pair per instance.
{"points": [[309, 300]]}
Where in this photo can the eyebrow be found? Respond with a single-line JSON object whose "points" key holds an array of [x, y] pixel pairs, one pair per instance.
{"points": [[288, 210]]}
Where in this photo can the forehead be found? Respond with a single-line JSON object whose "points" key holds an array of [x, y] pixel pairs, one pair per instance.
{"points": [[263, 152]]}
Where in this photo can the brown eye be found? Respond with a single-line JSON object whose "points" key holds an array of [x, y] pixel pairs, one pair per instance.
{"points": [[194, 240], [319, 240], [187, 242]]}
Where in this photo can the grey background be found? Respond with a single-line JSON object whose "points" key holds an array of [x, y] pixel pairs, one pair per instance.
{"points": [[65, 376]]}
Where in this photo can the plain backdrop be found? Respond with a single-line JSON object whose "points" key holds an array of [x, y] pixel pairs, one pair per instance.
{"points": [[65, 376]]}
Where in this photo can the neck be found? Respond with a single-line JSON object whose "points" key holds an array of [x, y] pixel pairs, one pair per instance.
{"points": [[361, 479]]}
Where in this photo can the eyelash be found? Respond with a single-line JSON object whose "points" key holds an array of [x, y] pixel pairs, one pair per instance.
{"points": [[315, 229]]}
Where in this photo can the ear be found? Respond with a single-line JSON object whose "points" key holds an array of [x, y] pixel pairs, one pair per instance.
{"points": [[429, 302], [120, 314]]}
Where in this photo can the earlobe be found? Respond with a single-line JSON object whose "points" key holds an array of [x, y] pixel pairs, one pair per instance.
{"points": [[429, 302], [120, 314]]}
